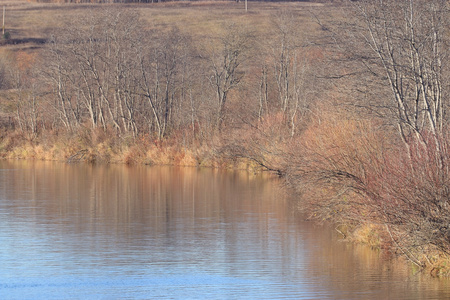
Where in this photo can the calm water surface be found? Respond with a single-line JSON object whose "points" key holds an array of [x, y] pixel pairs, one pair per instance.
{"points": [[118, 232]]}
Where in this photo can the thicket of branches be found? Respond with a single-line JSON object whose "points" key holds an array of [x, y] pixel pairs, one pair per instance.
{"points": [[390, 165], [116, 75]]}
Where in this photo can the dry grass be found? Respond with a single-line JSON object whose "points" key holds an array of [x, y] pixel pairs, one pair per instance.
{"points": [[25, 20], [369, 234]]}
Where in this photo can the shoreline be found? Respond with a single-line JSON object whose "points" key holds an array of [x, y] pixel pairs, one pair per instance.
{"points": [[434, 263]]}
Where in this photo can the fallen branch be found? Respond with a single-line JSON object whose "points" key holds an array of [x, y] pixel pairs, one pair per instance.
{"points": [[77, 156], [407, 254]]}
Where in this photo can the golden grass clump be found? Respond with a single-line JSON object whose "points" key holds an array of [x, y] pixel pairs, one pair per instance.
{"points": [[368, 234]]}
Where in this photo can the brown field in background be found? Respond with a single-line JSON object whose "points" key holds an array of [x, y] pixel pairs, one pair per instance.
{"points": [[29, 23]]}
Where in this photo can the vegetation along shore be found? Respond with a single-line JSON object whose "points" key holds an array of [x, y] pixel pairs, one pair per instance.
{"points": [[346, 100]]}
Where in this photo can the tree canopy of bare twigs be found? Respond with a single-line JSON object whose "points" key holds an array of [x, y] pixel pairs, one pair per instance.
{"points": [[394, 55], [119, 74]]}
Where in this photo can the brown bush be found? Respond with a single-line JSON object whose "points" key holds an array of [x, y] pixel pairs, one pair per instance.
{"points": [[355, 172]]}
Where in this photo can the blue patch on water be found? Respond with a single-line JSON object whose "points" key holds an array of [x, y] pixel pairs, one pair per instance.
{"points": [[172, 287], [174, 280]]}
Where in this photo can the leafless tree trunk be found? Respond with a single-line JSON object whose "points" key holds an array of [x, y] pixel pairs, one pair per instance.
{"points": [[27, 106], [290, 62], [394, 55], [226, 67], [405, 46]]}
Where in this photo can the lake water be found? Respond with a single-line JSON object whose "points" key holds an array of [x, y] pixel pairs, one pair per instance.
{"points": [[76, 231]]}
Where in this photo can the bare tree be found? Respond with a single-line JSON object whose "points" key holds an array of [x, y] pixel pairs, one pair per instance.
{"points": [[226, 66], [290, 66], [394, 54], [60, 78], [26, 95], [163, 63], [402, 46], [93, 71]]}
